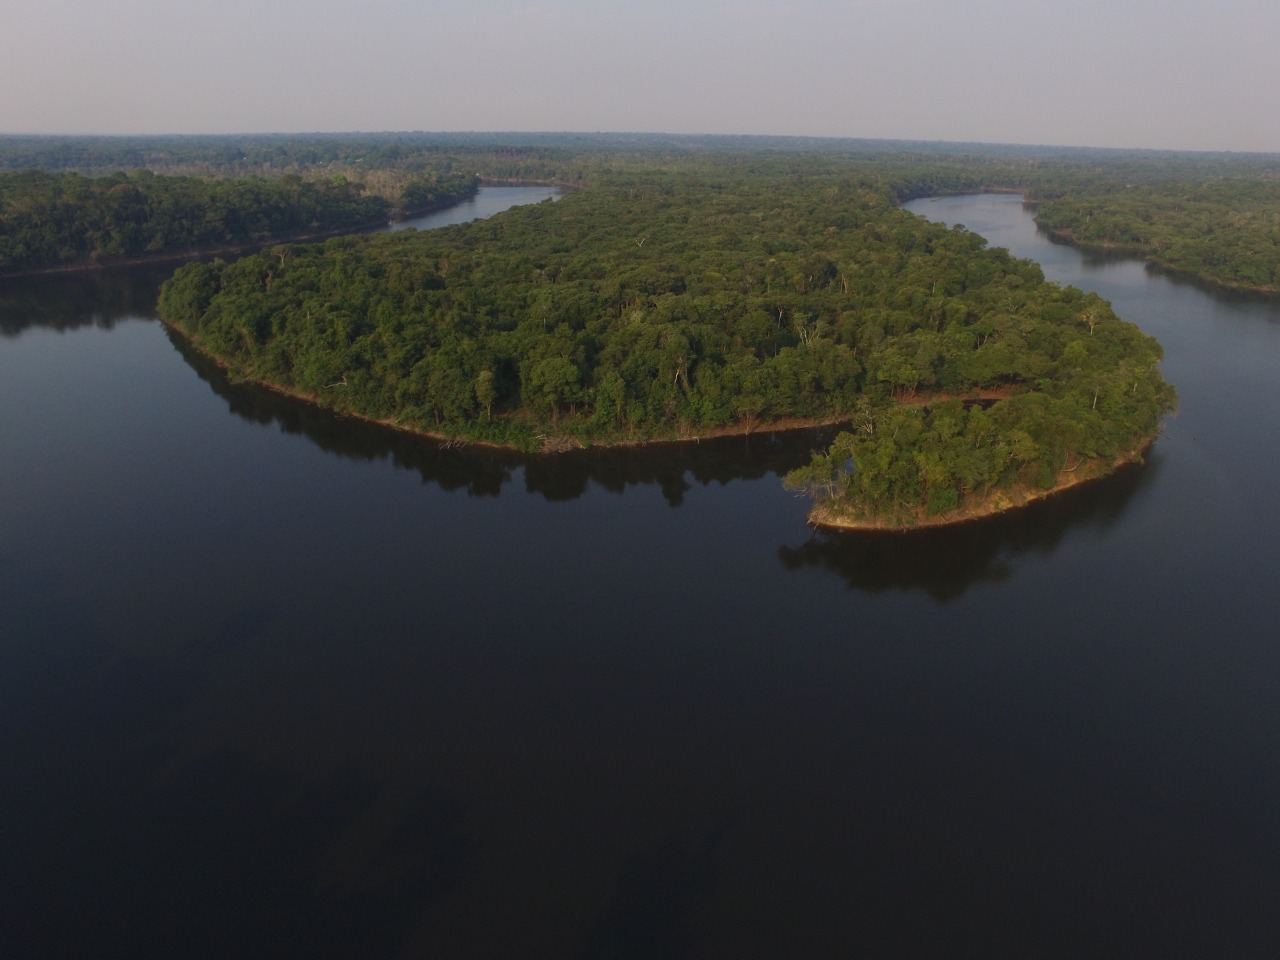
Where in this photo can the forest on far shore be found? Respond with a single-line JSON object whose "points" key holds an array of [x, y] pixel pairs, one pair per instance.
{"points": [[60, 220], [1213, 216], [1225, 230]]}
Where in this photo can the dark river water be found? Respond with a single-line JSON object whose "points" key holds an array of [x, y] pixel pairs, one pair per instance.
{"points": [[275, 684]]}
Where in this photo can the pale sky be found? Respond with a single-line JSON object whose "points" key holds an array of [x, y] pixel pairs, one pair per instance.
{"points": [[1177, 74]]}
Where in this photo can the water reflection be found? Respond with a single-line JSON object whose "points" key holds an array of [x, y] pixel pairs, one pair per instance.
{"points": [[484, 471], [80, 298], [947, 562], [68, 301], [1089, 256], [942, 563], [340, 719]]}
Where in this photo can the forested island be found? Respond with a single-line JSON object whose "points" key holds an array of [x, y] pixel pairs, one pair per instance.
{"points": [[659, 305], [693, 286]]}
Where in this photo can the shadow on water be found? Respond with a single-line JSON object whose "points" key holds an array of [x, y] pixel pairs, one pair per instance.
{"points": [[484, 471], [942, 563], [946, 562], [284, 825], [69, 301], [1091, 256]]}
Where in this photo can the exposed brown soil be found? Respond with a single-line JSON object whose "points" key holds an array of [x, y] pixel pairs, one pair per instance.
{"points": [[926, 398]]}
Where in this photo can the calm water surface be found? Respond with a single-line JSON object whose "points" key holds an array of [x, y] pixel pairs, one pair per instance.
{"points": [[277, 684], [486, 203]]}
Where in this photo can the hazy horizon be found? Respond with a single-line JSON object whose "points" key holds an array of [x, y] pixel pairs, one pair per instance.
{"points": [[656, 134], [1129, 74]]}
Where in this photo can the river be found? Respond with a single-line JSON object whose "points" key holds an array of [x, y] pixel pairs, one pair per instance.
{"points": [[273, 683]]}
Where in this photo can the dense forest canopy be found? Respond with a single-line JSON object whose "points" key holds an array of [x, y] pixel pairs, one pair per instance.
{"points": [[1211, 215], [694, 285], [50, 220], [1225, 230], [262, 153], [658, 304]]}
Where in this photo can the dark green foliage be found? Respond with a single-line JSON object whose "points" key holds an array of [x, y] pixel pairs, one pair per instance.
{"points": [[1226, 230], [1210, 214], [428, 191], [662, 303], [697, 283], [53, 220]]}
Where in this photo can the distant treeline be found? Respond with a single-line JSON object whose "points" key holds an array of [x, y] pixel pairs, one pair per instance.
{"points": [[1212, 215], [52, 220], [280, 152]]}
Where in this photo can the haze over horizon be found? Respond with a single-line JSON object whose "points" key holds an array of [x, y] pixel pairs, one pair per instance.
{"points": [[1129, 73]]}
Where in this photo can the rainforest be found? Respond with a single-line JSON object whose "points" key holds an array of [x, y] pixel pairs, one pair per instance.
{"points": [[57, 221], [332, 686], [681, 288], [658, 306]]}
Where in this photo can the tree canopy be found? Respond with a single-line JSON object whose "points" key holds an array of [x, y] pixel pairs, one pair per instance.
{"points": [[1212, 215], [1222, 229], [694, 285], [51, 220], [659, 304]]}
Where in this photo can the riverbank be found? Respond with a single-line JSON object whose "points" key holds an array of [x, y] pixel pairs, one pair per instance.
{"points": [[548, 443], [235, 250], [399, 215], [201, 253], [1067, 236], [824, 515], [830, 515]]}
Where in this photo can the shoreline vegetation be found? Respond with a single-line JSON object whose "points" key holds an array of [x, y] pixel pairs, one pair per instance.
{"points": [[57, 223], [1068, 236], [183, 256], [236, 250], [1222, 231], [655, 306], [837, 516], [547, 444], [1179, 265], [679, 290]]}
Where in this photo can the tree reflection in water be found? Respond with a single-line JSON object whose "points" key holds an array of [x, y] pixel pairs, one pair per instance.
{"points": [[945, 562]]}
